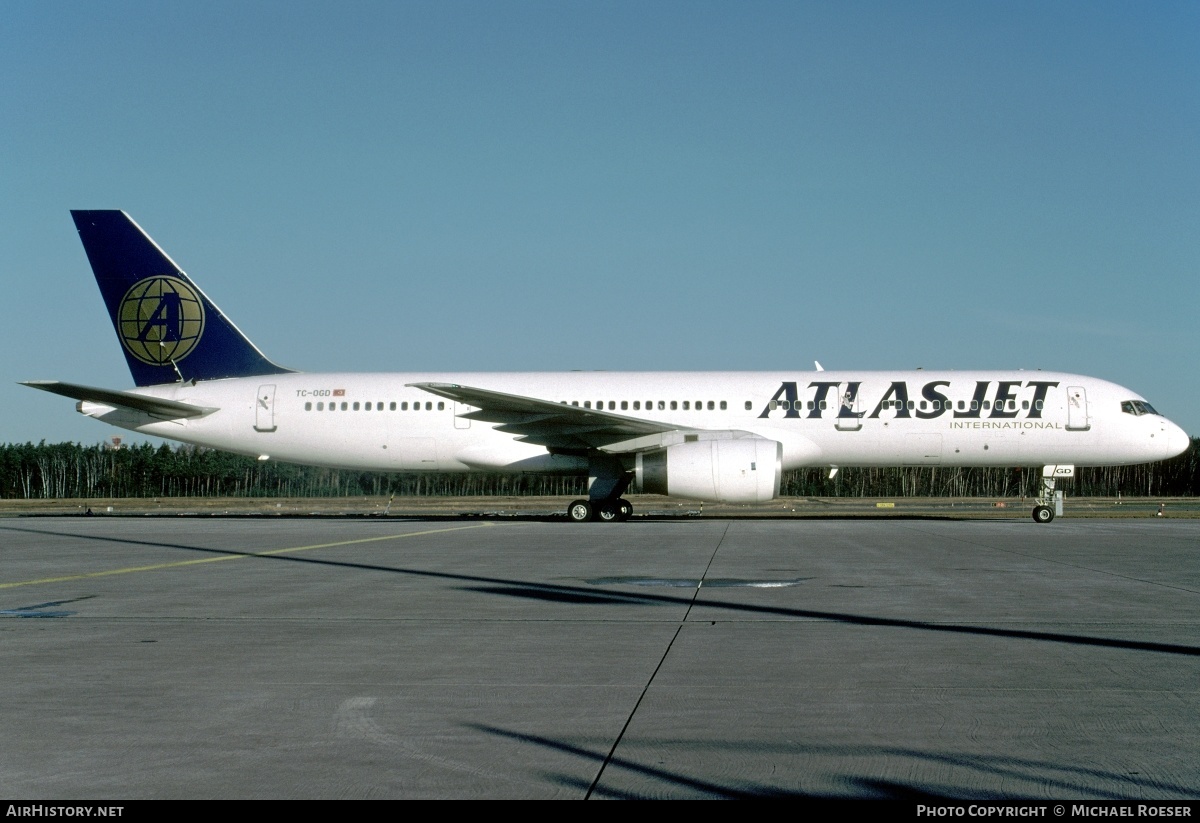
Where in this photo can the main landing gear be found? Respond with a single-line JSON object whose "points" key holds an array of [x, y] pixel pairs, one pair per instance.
{"points": [[608, 479], [606, 511]]}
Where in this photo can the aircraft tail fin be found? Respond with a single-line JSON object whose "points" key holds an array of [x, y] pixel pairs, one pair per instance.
{"points": [[169, 330]]}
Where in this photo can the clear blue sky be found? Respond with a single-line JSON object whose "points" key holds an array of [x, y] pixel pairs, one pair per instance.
{"points": [[610, 185]]}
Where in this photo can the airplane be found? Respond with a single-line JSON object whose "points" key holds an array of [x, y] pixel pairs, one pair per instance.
{"points": [[714, 436]]}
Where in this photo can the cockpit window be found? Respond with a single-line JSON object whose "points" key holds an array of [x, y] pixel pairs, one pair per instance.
{"points": [[1137, 407]]}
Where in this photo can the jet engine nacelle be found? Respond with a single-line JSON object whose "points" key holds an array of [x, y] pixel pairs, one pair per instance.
{"points": [[727, 471]]}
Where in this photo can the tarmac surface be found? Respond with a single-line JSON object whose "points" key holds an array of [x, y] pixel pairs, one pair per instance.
{"points": [[448, 657]]}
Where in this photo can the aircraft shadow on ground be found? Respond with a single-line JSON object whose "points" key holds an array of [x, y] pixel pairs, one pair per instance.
{"points": [[1025, 776], [592, 596]]}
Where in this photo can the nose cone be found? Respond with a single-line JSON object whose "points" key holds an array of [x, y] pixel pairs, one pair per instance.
{"points": [[1177, 440]]}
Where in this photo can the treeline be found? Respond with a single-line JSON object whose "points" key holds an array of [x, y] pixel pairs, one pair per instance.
{"points": [[58, 470], [55, 470]]}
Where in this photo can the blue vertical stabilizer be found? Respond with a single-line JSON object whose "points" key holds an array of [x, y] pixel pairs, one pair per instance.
{"points": [[169, 329]]}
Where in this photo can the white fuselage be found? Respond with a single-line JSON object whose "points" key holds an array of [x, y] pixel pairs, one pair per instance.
{"points": [[948, 418]]}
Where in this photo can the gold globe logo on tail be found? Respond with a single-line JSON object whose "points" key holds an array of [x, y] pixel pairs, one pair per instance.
{"points": [[160, 320]]}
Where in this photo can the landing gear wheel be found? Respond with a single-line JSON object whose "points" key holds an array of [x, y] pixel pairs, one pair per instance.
{"points": [[608, 511], [1042, 514], [624, 510], [580, 511]]}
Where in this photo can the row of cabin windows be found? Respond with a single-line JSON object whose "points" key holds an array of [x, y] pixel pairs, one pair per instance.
{"points": [[912, 404], [377, 406], [698, 405], [663, 405]]}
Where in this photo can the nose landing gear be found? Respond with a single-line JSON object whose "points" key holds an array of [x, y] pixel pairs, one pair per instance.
{"points": [[1049, 502], [1042, 514]]}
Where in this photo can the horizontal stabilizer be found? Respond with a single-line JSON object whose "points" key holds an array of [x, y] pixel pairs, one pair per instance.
{"points": [[157, 406]]}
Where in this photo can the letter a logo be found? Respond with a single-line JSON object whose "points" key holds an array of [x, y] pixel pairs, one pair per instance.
{"points": [[160, 320]]}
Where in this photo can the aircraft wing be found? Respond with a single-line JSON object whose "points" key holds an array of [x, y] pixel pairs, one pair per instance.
{"points": [[157, 406], [554, 425]]}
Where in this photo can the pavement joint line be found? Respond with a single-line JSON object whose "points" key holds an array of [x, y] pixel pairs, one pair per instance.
{"points": [[238, 556], [621, 736]]}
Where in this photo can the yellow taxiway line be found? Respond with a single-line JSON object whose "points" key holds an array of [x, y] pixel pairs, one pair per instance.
{"points": [[179, 563]]}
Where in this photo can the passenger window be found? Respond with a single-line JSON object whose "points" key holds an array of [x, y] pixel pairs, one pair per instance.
{"points": [[773, 405], [308, 406], [785, 405], [662, 405], [911, 405], [587, 404], [987, 404], [723, 407], [429, 405], [441, 406], [320, 407], [355, 405], [624, 405], [637, 405], [923, 405], [974, 405], [344, 405], [674, 405], [1038, 405], [812, 404], [404, 406], [612, 405], [710, 405], [1024, 404], [392, 406], [749, 405], [686, 405]]}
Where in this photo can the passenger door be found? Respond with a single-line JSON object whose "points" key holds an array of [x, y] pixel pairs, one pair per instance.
{"points": [[264, 409], [1078, 418]]}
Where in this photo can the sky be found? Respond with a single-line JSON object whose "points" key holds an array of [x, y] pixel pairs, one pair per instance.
{"points": [[543, 186]]}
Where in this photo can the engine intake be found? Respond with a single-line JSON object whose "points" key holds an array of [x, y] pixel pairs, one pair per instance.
{"points": [[728, 471]]}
